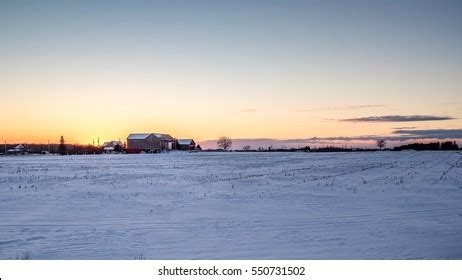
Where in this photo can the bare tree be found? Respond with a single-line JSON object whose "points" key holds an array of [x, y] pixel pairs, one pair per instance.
{"points": [[117, 148], [224, 143], [381, 143], [247, 148]]}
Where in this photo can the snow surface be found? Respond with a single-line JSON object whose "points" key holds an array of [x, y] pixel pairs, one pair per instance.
{"points": [[375, 205]]}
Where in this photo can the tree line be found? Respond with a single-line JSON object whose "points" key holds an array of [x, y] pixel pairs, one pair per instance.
{"points": [[434, 146]]}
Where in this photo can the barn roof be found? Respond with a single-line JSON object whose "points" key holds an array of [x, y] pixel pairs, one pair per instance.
{"points": [[138, 136], [185, 141], [112, 144], [19, 147], [164, 137], [142, 136]]}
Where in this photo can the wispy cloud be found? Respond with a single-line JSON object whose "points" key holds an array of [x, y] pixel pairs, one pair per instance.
{"points": [[430, 133], [405, 127], [341, 108], [397, 118]]}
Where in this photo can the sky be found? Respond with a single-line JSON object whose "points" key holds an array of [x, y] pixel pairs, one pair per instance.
{"points": [[276, 70]]}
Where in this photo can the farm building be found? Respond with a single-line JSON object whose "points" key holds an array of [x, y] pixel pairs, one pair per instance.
{"points": [[19, 149], [186, 144], [167, 142], [150, 142], [112, 146]]}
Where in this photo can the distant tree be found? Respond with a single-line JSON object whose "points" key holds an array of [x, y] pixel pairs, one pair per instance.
{"points": [[224, 142], [62, 146], [247, 148], [381, 143], [434, 146], [117, 148], [449, 145]]}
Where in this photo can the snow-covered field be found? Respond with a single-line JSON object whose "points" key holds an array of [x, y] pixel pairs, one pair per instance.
{"points": [[374, 205]]}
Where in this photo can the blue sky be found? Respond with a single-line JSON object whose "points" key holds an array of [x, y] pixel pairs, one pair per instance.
{"points": [[247, 69]]}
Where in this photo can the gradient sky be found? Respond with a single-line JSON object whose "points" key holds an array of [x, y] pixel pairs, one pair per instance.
{"points": [[245, 69]]}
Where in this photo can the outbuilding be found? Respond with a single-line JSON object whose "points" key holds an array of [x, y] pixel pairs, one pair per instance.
{"points": [[167, 142], [186, 144], [19, 149], [113, 147]]}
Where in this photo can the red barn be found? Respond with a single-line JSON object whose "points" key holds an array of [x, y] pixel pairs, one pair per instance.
{"points": [[150, 142]]}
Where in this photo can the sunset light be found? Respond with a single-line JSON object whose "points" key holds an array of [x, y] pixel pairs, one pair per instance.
{"points": [[243, 70]]}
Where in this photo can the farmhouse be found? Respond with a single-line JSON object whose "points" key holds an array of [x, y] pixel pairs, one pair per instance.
{"points": [[186, 144], [150, 142], [112, 146], [19, 149]]}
